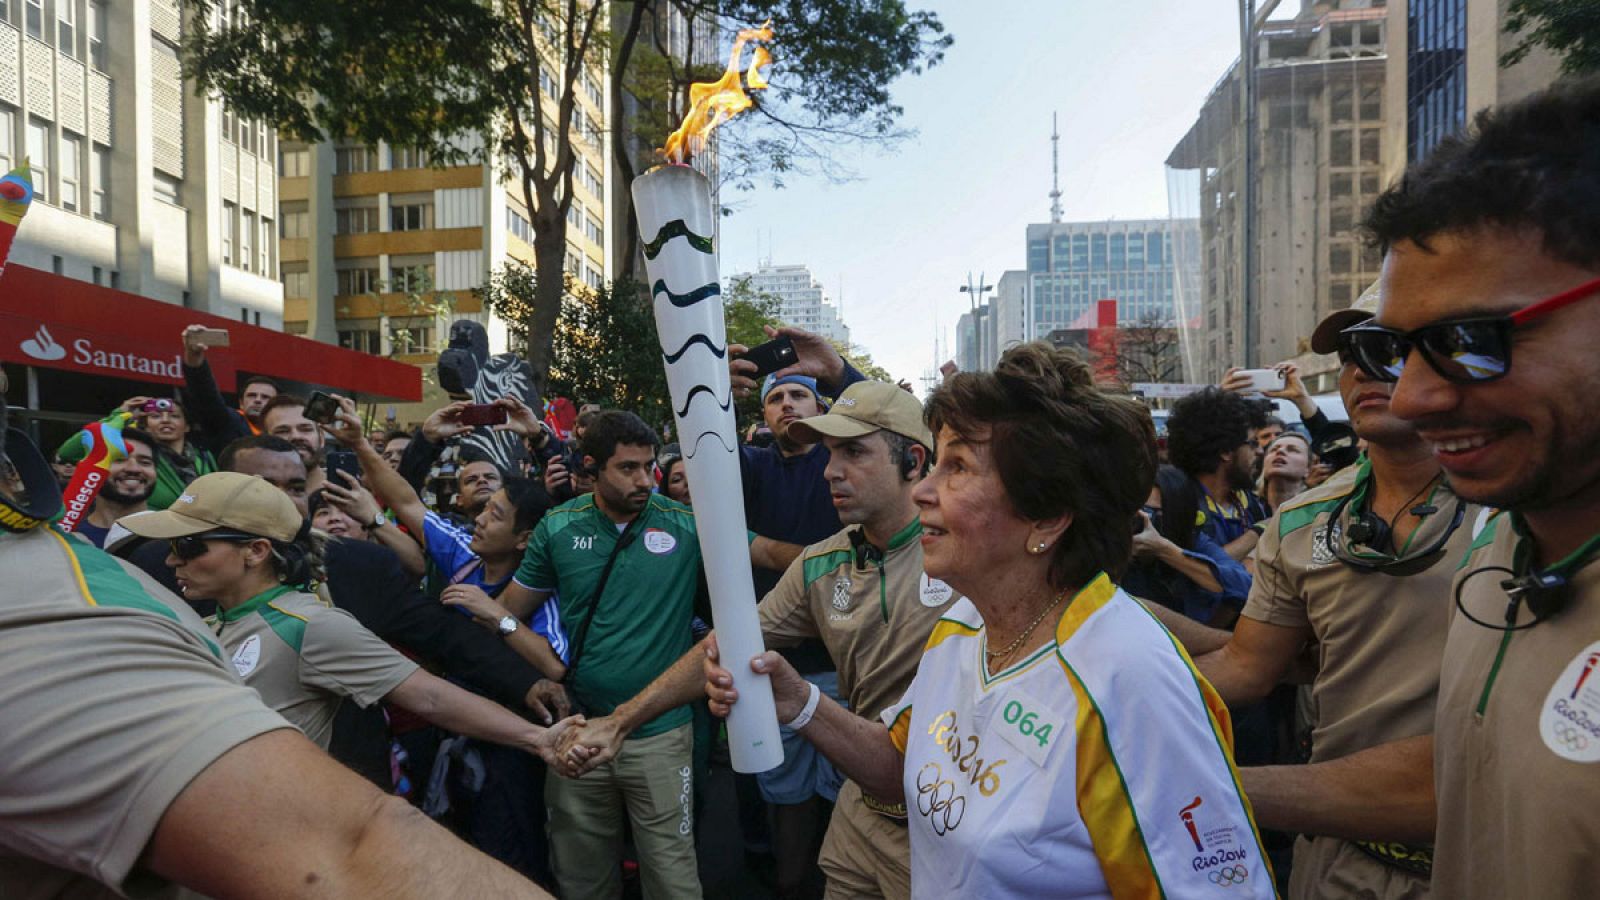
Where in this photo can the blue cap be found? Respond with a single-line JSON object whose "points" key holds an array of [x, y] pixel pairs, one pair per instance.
{"points": [[773, 381]]}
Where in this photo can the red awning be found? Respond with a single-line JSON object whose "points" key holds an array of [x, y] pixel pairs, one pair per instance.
{"points": [[62, 323]]}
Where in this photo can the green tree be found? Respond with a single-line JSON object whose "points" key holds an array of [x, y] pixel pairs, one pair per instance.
{"points": [[1569, 28], [462, 80], [830, 86]]}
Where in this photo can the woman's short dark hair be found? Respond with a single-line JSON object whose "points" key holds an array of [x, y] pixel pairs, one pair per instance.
{"points": [[1061, 446], [611, 427]]}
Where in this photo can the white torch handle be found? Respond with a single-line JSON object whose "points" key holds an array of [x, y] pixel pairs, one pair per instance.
{"points": [[678, 224]]}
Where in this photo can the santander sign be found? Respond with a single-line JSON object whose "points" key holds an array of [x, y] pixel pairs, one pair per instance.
{"points": [[44, 347]]}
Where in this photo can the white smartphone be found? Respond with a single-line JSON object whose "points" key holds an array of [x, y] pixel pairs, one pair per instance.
{"points": [[1263, 380]]}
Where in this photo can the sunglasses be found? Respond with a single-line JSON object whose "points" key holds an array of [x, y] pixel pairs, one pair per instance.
{"points": [[1465, 351], [193, 546]]}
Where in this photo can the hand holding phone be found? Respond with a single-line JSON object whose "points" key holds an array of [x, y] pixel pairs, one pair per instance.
{"points": [[1260, 380], [322, 407], [210, 337], [342, 461], [481, 414], [776, 354]]}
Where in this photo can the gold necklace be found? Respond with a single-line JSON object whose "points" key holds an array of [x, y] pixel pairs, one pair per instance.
{"points": [[1001, 654]]}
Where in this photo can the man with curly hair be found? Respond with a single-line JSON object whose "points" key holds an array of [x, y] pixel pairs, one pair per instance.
{"points": [[1489, 246], [1209, 438]]}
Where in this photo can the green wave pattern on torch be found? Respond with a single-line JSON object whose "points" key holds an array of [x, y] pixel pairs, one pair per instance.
{"points": [[677, 228]]}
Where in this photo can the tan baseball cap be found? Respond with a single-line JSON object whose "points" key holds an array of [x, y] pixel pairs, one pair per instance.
{"points": [[222, 501], [865, 407], [1326, 338]]}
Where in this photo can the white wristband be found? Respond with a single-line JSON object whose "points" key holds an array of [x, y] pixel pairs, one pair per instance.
{"points": [[804, 719]]}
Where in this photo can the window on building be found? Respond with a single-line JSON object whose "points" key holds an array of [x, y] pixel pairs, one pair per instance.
{"points": [[592, 277], [294, 220], [411, 274], [167, 188], [575, 215], [348, 160], [355, 217], [247, 136], [1339, 186], [1341, 259], [230, 213], [407, 158], [8, 137], [1341, 103], [592, 180], [247, 241], [1339, 293], [1369, 183], [1371, 33], [518, 224], [39, 157], [67, 27], [100, 182], [1371, 142], [1341, 36], [365, 340], [294, 162], [225, 124], [410, 216], [411, 335], [357, 276], [71, 171], [591, 86], [33, 18], [97, 34], [1341, 148], [593, 230], [1372, 103], [296, 280]]}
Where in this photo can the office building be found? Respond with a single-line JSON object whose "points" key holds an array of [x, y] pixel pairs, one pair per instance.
{"points": [[139, 184], [1320, 155], [802, 301], [1451, 69]]}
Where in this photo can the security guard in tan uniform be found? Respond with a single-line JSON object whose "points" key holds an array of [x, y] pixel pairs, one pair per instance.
{"points": [[863, 592], [1360, 567], [241, 542], [1489, 251]]}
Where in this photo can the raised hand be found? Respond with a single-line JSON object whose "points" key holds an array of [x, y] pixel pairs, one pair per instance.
{"points": [[441, 425], [814, 356]]}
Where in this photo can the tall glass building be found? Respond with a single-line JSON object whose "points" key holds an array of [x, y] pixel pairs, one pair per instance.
{"points": [[1436, 73]]}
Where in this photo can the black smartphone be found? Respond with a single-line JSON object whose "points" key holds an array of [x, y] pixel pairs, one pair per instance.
{"points": [[342, 461], [778, 353], [322, 407]]}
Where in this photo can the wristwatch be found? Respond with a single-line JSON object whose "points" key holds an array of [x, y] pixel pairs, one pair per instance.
{"points": [[508, 626], [379, 520]]}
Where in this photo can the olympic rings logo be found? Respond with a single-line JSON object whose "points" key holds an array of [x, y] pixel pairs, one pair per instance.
{"points": [[1227, 876], [1574, 740], [937, 800]]}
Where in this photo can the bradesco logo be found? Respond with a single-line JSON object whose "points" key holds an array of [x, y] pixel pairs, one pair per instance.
{"points": [[44, 347]]}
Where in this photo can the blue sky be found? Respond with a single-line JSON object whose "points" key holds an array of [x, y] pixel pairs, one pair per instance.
{"points": [[1127, 80]]}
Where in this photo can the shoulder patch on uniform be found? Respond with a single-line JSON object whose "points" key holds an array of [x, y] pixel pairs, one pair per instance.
{"points": [[1297, 517], [820, 564], [286, 625]]}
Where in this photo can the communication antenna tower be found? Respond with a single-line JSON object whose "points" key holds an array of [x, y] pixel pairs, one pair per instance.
{"points": [[1055, 171]]}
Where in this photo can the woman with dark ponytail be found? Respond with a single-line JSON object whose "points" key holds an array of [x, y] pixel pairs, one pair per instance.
{"points": [[240, 542]]}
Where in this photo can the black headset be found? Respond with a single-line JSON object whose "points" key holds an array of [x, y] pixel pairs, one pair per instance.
{"points": [[1371, 530], [1545, 591], [865, 553]]}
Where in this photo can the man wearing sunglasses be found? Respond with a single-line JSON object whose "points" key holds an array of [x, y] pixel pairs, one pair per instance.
{"points": [[1488, 329], [1360, 567]]}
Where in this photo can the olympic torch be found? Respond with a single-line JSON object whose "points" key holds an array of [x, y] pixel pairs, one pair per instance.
{"points": [[678, 223]]}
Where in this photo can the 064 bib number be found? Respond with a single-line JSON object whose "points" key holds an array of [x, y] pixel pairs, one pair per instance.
{"points": [[1028, 725]]}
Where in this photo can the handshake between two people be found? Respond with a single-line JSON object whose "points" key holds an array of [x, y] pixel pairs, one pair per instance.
{"points": [[586, 744]]}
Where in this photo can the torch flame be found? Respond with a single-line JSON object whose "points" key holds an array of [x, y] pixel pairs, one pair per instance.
{"points": [[714, 102]]}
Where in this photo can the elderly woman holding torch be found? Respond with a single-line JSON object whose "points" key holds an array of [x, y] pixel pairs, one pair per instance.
{"points": [[1056, 740]]}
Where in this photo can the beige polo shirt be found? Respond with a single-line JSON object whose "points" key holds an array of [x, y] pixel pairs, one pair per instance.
{"points": [[1379, 640], [1517, 739], [873, 618], [113, 697], [304, 657]]}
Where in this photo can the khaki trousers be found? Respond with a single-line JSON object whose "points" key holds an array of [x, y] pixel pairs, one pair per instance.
{"points": [[651, 781], [864, 854]]}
